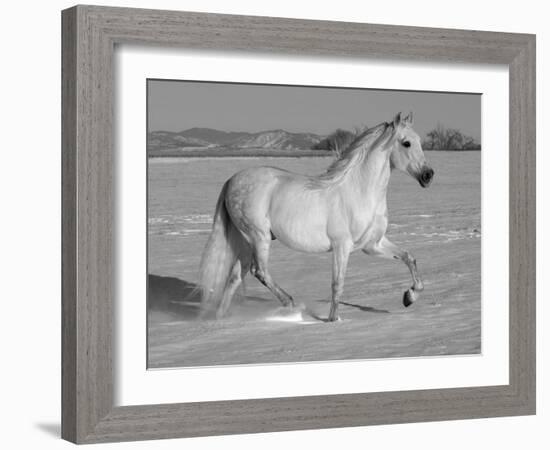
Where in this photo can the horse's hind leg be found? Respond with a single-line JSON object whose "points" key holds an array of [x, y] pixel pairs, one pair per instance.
{"points": [[233, 283], [236, 276], [388, 249], [260, 271]]}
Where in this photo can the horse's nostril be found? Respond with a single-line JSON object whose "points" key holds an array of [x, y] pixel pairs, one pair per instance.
{"points": [[426, 176]]}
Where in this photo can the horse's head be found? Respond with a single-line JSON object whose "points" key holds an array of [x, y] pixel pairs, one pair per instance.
{"points": [[407, 154]]}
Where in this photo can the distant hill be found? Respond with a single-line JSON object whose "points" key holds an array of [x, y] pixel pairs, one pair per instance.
{"points": [[158, 141], [172, 140], [278, 139], [209, 141], [214, 137]]}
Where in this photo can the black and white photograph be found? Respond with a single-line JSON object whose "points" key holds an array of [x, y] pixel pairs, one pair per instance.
{"points": [[295, 223]]}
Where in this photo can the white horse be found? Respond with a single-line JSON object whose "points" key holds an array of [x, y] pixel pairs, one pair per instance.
{"points": [[339, 211]]}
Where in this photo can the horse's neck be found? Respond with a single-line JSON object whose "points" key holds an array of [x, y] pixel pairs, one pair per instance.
{"points": [[369, 180]]}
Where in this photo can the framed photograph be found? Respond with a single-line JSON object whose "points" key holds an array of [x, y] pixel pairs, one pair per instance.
{"points": [[277, 224]]}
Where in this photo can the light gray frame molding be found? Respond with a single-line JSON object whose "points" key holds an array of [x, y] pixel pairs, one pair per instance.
{"points": [[89, 36]]}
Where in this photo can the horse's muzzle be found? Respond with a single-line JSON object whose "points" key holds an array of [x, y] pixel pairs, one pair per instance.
{"points": [[426, 176]]}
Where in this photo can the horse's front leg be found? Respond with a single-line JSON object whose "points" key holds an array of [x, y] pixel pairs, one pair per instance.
{"points": [[387, 249], [340, 256]]}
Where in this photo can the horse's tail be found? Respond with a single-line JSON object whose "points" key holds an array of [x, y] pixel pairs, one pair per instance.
{"points": [[223, 248]]}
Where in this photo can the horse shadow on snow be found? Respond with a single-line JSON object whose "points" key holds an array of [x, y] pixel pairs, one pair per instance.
{"points": [[171, 298]]}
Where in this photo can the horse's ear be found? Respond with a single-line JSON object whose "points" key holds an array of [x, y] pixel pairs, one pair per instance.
{"points": [[409, 119], [397, 120]]}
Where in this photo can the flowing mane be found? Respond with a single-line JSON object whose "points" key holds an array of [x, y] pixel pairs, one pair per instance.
{"points": [[354, 150]]}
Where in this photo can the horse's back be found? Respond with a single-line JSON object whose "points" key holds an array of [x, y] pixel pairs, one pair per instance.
{"points": [[253, 182], [248, 195], [271, 201], [261, 180], [262, 174]]}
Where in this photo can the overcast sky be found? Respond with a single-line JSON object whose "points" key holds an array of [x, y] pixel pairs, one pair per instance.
{"points": [[179, 105]]}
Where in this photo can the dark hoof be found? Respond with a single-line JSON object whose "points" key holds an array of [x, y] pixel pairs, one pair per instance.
{"points": [[334, 319], [409, 297]]}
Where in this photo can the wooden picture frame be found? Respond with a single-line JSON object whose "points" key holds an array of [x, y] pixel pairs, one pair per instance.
{"points": [[89, 37]]}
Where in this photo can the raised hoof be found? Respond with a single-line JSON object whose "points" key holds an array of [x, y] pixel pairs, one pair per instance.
{"points": [[409, 297]]}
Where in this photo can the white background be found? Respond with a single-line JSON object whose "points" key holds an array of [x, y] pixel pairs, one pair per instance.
{"points": [[30, 225]]}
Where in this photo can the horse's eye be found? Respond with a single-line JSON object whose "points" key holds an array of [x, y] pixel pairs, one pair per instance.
{"points": [[406, 144]]}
